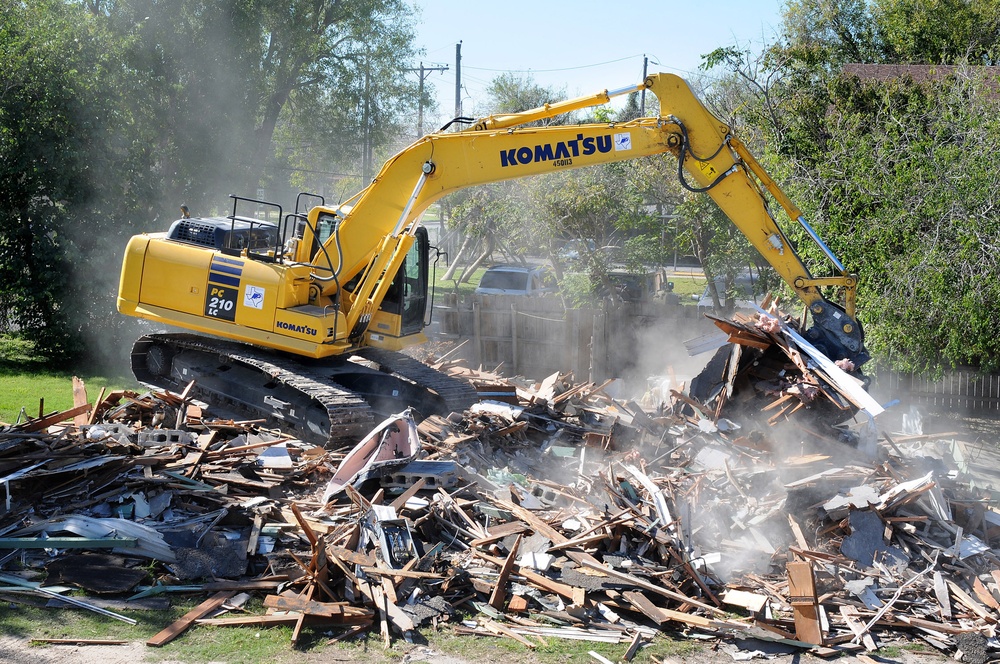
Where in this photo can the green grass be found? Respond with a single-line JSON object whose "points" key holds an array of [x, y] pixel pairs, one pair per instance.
{"points": [[249, 645], [48, 392], [453, 286], [26, 382], [233, 645], [688, 284]]}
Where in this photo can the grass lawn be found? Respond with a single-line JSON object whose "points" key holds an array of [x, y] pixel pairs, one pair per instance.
{"points": [[27, 383], [47, 392], [441, 286]]}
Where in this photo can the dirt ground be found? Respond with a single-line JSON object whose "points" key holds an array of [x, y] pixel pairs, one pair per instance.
{"points": [[981, 438]]}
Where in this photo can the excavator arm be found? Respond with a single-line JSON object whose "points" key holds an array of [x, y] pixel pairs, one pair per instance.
{"points": [[377, 228]]}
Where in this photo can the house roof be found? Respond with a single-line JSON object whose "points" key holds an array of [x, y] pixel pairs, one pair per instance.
{"points": [[918, 73]]}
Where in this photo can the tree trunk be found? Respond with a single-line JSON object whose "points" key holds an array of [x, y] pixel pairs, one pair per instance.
{"points": [[487, 251], [450, 272]]}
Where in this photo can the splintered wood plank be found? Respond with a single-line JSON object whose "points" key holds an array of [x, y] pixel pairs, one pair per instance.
{"points": [[633, 647], [984, 594], [97, 402], [387, 610], [499, 532], [645, 585], [802, 597], [313, 608], [176, 628], [352, 557], [537, 580], [309, 533], [499, 629], [645, 607], [409, 493], [800, 538], [80, 399], [941, 593], [286, 619], [966, 600], [852, 619], [500, 589], [517, 604], [55, 418]]}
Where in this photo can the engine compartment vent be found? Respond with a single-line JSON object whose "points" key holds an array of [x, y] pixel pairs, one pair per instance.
{"points": [[194, 231]]}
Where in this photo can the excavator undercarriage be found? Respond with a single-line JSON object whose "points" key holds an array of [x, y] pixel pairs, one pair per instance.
{"points": [[331, 402]]}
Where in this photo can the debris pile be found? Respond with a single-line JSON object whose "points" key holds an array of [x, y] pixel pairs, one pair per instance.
{"points": [[548, 510], [768, 372]]}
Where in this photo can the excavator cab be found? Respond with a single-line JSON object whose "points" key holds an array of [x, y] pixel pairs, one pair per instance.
{"points": [[407, 296]]}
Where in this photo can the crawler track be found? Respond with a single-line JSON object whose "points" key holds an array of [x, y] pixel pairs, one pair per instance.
{"points": [[332, 402]]}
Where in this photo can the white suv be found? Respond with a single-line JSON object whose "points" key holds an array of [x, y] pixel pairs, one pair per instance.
{"points": [[517, 280]]}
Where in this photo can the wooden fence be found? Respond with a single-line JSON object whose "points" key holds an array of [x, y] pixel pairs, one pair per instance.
{"points": [[535, 337], [961, 388]]}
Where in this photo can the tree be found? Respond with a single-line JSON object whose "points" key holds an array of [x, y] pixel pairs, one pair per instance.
{"points": [[346, 104], [500, 214], [510, 93], [939, 32], [907, 197], [325, 76], [893, 173], [68, 148]]}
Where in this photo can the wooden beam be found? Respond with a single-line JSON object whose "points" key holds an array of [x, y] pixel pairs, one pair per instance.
{"points": [[537, 580], [49, 420], [80, 399], [313, 608], [409, 493], [176, 628], [645, 585], [802, 597], [500, 589]]}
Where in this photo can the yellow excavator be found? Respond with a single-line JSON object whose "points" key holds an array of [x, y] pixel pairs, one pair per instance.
{"points": [[300, 317]]}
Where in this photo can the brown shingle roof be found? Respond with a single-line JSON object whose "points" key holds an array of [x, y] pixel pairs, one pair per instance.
{"points": [[918, 73]]}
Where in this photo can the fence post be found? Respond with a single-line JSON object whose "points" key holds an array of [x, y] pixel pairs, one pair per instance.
{"points": [[599, 345], [513, 339], [477, 331]]}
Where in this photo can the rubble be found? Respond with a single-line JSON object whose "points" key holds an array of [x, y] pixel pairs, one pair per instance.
{"points": [[557, 511]]}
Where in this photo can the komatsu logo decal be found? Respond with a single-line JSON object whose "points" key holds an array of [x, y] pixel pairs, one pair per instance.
{"points": [[562, 152], [301, 329]]}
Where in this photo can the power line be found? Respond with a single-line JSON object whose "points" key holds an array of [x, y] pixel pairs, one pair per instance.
{"points": [[424, 73], [544, 71]]}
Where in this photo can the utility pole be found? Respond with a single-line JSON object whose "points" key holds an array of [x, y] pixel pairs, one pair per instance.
{"points": [[642, 95], [424, 73], [458, 80], [366, 151]]}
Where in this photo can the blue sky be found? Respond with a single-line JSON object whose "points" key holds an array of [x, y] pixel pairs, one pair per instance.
{"points": [[583, 46]]}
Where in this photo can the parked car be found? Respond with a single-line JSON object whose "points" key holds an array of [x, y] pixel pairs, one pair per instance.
{"points": [[530, 280], [576, 249], [644, 286], [746, 290]]}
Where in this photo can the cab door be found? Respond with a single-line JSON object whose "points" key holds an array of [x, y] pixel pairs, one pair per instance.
{"points": [[407, 297]]}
